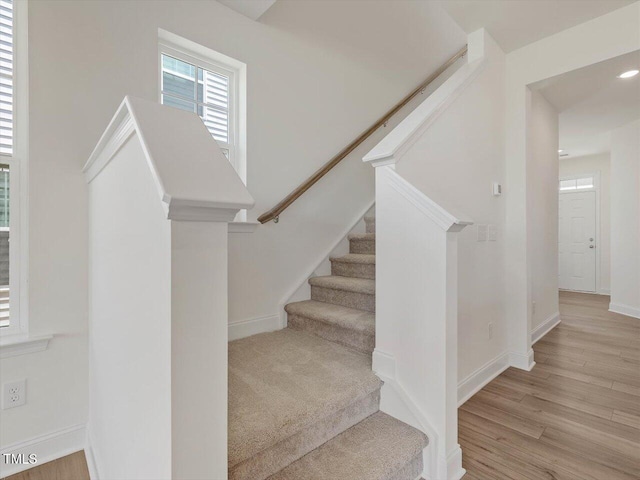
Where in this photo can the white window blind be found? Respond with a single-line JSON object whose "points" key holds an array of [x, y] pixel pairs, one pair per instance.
{"points": [[196, 89], [6, 77]]}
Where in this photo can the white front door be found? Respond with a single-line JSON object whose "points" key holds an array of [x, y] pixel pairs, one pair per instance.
{"points": [[577, 241]]}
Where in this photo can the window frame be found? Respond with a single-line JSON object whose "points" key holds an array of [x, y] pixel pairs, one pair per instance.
{"points": [[181, 53], [18, 163], [593, 187]]}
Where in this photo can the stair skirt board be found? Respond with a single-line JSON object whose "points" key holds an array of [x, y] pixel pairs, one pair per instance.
{"points": [[277, 457]]}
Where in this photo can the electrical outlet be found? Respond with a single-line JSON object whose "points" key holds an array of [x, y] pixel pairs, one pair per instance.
{"points": [[14, 394], [490, 330]]}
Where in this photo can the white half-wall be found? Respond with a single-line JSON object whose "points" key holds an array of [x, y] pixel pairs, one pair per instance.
{"points": [[625, 220], [160, 195], [130, 347]]}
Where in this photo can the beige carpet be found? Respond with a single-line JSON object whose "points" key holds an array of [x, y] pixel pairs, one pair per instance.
{"points": [[303, 401]]}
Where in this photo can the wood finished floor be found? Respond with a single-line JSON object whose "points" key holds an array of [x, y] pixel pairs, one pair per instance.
{"points": [[575, 416], [71, 467]]}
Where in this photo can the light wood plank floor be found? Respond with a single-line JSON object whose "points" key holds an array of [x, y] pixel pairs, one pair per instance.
{"points": [[575, 416], [71, 467]]}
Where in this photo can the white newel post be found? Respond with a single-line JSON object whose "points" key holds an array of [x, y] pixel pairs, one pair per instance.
{"points": [[416, 352], [199, 349], [161, 195]]}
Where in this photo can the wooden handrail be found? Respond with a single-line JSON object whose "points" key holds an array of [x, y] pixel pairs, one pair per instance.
{"points": [[275, 212]]}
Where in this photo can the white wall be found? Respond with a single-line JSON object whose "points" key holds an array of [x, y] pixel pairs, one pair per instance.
{"points": [[594, 41], [308, 96], [455, 163], [588, 165], [625, 220], [542, 178]]}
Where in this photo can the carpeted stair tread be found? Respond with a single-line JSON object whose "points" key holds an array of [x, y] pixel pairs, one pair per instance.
{"points": [[362, 236], [347, 284], [370, 223], [283, 382], [378, 448], [358, 258], [350, 318]]}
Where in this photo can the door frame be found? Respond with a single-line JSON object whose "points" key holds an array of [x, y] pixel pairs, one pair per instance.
{"points": [[596, 188]]}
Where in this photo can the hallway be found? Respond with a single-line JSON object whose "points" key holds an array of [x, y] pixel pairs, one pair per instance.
{"points": [[575, 416]]}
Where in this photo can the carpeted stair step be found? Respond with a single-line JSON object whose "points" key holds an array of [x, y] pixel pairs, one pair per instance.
{"points": [[356, 265], [370, 222], [346, 326], [362, 243], [349, 292], [290, 392], [378, 448]]}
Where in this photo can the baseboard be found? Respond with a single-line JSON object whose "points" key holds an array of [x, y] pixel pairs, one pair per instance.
{"points": [[474, 382], [545, 327], [454, 464], [246, 328], [522, 361], [623, 309], [47, 448], [91, 459], [397, 402], [604, 291]]}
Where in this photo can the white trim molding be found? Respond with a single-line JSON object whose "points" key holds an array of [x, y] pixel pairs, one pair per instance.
{"points": [[246, 328], [623, 309], [209, 190], [446, 220], [90, 456], [47, 448], [392, 147], [243, 227], [545, 327], [523, 362], [406, 409], [474, 382], [14, 345]]}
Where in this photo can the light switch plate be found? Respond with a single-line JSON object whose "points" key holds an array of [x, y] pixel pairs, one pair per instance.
{"points": [[493, 233], [482, 233]]}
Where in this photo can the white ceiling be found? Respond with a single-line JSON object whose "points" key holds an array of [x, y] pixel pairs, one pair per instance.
{"points": [[405, 38], [515, 23], [253, 9], [592, 101]]}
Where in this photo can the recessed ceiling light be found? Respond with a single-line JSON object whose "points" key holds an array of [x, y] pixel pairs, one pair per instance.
{"points": [[560, 151], [629, 74]]}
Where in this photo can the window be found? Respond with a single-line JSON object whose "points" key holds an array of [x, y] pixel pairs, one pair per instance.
{"points": [[13, 130], [198, 79], [207, 87], [6, 77], [6, 149], [576, 184]]}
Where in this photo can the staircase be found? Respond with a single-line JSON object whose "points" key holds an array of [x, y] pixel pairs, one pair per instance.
{"points": [[304, 402]]}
